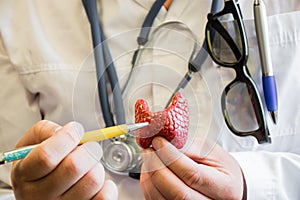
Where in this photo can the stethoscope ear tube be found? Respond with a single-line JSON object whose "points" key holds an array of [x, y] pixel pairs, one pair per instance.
{"points": [[144, 36], [146, 27], [104, 64]]}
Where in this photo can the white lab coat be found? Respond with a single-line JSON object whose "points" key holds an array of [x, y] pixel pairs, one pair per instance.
{"points": [[45, 52]]}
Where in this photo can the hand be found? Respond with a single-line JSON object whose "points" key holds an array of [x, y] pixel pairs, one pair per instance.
{"points": [[58, 168], [169, 174]]}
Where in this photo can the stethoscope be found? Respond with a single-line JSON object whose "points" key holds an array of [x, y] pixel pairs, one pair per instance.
{"points": [[121, 155]]}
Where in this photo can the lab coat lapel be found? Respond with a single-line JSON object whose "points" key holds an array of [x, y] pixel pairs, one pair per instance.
{"points": [[176, 9], [174, 12], [145, 3]]}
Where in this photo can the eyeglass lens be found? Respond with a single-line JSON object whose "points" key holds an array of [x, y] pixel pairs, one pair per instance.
{"points": [[226, 40], [227, 48], [239, 108]]}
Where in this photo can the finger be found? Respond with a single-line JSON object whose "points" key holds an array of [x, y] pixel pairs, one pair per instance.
{"points": [[149, 190], [109, 191], [47, 155], [38, 133], [201, 148], [72, 168], [165, 181], [69, 171], [212, 180], [88, 186]]}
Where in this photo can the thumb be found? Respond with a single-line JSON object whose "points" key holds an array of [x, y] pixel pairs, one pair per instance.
{"points": [[39, 132]]}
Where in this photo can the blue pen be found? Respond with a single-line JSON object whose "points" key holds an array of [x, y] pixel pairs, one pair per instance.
{"points": [[268, 79]]}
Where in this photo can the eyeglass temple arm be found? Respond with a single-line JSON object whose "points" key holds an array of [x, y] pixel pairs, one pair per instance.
{"points": [[197, 61], [262, 135]]}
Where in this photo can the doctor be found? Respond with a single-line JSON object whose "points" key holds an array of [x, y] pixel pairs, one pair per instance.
{"points": [[43, 46]]}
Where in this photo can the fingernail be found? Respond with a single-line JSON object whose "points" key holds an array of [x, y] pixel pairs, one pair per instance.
{"points": [[157, 143], [78, 129], [57, 129]]}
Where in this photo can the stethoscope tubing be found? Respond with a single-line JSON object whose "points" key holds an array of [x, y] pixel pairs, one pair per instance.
{"points": [[104, 65]]}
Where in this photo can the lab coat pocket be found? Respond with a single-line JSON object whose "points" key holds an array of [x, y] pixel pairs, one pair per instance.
{"points": [[284, 37]]}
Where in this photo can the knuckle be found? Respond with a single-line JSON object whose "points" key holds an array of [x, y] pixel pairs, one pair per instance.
{"points": [[41, 127], [45, 159], [26, 191], [194, 179], [94, 182], [183, 195], [154, 174], [232, 193], [72, 136], [95, 177], [72, 165]]}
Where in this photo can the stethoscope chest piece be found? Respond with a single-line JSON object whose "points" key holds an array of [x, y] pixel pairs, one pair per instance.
{"points": [[120, 156]]}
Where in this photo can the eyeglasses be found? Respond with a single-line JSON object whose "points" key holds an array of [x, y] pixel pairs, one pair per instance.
{"points": [[226, 42]]}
